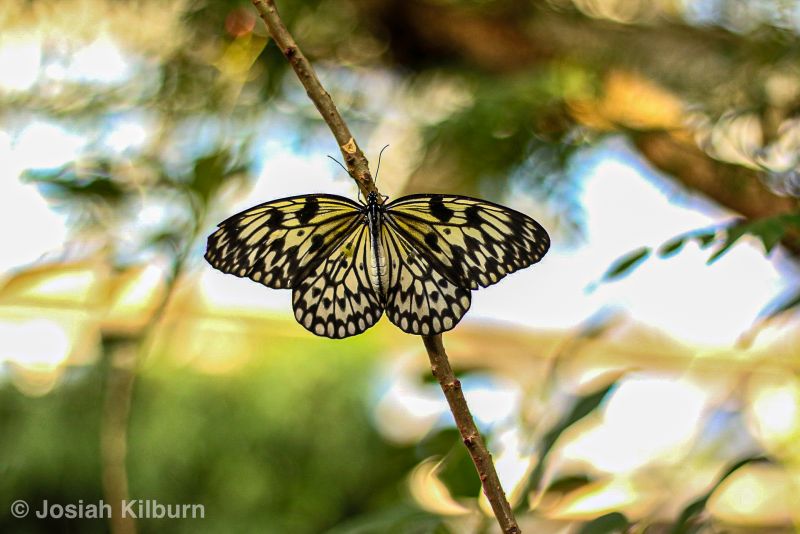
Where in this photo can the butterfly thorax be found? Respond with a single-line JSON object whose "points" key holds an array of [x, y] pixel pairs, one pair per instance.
{"points": [[379, 274]]}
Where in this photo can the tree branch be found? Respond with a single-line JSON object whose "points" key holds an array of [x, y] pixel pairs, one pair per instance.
{"points": [[358, 167], [357, 164], [481, 457], [120, 383], [733, 186], [522, 37]]}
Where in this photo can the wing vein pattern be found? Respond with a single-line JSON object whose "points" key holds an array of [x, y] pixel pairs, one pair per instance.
{"points": [[437, 248]]}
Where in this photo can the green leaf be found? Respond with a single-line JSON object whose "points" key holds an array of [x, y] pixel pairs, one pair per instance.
{"points": [[770, 231], [687, 522], [69, 186], [611, 523], [582, 407], [626, 263], [568, 484], [732, 234], [211, 171], [705, 238], [456, 471], [672, 247], [783, 303]]}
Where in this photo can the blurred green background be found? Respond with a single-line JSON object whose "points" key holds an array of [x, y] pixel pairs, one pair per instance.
{"points": [[643, 377]]}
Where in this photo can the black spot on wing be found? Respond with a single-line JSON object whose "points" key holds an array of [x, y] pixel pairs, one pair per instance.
{"points": [[275, 218], [309, 210], [439, 210], [473, 215], [432, 240], [316, 242]]}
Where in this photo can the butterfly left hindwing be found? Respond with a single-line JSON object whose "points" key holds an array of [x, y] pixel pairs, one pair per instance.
{"points": [[335, 298]]}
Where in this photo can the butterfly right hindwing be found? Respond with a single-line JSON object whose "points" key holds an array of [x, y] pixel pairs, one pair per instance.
{"points": [[419, 299]]}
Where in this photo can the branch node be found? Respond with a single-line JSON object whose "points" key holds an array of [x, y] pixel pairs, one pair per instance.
{"points": [[455, 384], [350, 147]]}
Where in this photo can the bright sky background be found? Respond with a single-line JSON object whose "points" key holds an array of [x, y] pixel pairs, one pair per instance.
{"points": [[625, 207]]}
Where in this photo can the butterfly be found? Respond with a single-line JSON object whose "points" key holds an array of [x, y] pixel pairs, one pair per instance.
{"points": [[417, 258]]}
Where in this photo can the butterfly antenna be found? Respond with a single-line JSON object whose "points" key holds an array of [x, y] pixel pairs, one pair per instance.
{"points": [[377, 172], [339, 163]]}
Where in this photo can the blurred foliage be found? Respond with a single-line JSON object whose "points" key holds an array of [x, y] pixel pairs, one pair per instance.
{"points": [[261, 447], [625, 264], [580, 408], [691, 520], [770, 231], [611, 523]]}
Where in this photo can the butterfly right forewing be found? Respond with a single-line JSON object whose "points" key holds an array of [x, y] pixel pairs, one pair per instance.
{"points": [[473, 242]]}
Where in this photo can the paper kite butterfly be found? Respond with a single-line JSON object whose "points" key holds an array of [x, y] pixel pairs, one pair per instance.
{"points": [[417, 257]]}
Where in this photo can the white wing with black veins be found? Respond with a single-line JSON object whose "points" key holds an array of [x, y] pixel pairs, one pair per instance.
{"points": [[419, 299], [472, 242], [275, 242], [336, 298]]}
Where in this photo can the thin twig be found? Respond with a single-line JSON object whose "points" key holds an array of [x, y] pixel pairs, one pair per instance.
{"points": [[357, 164], [121, 380], [121, 375], [358, 167], [440, 365]]}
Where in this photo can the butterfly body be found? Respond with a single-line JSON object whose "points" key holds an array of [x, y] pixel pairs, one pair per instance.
{"points": [[417, 258], [379, 275]]}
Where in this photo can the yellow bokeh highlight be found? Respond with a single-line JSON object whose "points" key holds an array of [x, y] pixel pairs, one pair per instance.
{"points": [[773, 411], [619, 494], [631, 101], [430, 492], [757, 495]]}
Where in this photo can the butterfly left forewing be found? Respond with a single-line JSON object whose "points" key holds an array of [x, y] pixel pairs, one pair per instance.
{"points": [[273, 243], [474, 243]]}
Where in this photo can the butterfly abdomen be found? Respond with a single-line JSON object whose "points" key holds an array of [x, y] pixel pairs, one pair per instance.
{"points": [[378, 272]]}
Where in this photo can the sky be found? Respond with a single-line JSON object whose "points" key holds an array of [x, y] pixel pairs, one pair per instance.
{"points": [[625, 206]]}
